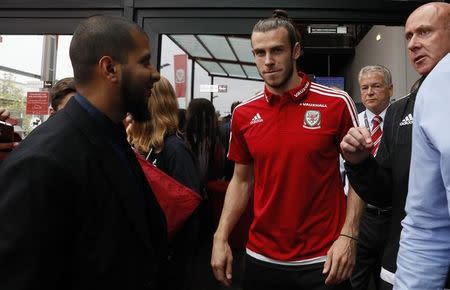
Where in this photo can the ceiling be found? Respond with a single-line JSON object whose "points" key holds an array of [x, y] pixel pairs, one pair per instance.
{"points": [[231, 56], [220, 55]]}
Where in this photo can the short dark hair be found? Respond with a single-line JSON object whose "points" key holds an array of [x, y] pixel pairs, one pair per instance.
{"points": [[279, 18], [96, 37], [60, 90]]}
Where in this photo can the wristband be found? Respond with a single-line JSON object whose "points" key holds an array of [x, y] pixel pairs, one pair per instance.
{"points": [[350, 237]]}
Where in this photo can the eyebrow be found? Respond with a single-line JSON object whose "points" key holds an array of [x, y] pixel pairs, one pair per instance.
{"points": [[145, 57], [269, 48], [421, 27]]}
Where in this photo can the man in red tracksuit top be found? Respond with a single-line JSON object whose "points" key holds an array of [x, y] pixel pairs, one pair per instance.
{"points": [[285, 140]]}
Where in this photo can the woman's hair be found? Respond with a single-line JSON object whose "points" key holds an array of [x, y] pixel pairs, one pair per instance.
{"points": [[202, 136], [163, 108]]}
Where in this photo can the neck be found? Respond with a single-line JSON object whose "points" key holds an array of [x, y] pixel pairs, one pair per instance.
{"points": [[104, 101], [294, 81]]}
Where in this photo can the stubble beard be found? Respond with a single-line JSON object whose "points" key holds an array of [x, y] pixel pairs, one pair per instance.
{"points": [[135, 99], [285, 79]]}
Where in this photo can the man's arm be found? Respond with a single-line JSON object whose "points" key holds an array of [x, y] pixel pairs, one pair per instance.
{"points": [[236, 200], [341, 256], [35, 200], [370, 177]]}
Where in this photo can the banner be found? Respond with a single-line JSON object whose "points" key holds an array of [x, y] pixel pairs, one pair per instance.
{"points": [[180, 68], [37, 103]]}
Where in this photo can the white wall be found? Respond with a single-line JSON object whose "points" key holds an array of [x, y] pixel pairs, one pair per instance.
{"points": [[390, 51]]}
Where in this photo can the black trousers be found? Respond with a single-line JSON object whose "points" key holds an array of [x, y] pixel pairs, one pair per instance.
{"points": [[385, 285], [373, 235], [259, 275]]}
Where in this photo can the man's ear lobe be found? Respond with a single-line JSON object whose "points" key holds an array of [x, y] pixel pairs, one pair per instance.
{"points": [[108, 68], [297, 50]]}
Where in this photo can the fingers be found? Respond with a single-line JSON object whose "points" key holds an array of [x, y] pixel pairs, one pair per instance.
{"points": [[356, 145], [358, 137], [327, 265], [7, 146], [219, 273], [341, 260], [229, 270], [222, 263], [223, 275], [4, 114], [348, 269], [332, 277]]}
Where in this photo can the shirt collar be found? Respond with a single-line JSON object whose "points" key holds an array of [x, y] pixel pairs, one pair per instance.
{"points": [[296, 94], [111, 130], [370, 115]]}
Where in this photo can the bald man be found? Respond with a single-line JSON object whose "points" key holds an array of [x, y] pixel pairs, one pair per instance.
{"points": [[428, 37], [424, 255]]}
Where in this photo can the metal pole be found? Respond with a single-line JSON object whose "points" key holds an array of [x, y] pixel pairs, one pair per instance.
{"points": [[212, 83], [192, 80], [48, 65]]}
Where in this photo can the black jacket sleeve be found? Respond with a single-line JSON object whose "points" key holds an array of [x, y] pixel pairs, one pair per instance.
{"points": [[372, 179], [178, 162], [35, 207]]}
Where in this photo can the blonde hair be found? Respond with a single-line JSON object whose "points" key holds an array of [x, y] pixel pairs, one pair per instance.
{"points": [[163, 108]]}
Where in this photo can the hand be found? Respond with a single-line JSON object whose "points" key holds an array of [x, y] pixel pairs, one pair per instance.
{"points": [[4, 114], [128, 120], [340, 260], [356, 145], [6, 146], [222, 261]]}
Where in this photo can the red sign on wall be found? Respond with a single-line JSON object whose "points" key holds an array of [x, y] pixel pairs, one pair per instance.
{"points": [[37, 103], [180, 68]]}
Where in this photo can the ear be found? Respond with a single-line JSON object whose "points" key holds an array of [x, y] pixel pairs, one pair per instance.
{"points": [[297, 50], [391, 90], [109, 68]]}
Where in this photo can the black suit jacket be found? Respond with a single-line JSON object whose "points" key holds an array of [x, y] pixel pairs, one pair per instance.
{"points": [[70, 215], [384, 181]]}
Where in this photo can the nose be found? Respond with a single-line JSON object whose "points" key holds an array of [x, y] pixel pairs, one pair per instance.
{"points": [[369, 90], [155, 76], [268, 60], [413, 43]]}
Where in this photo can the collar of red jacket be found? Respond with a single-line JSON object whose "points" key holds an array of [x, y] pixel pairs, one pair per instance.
{"points": [[296, 94]]}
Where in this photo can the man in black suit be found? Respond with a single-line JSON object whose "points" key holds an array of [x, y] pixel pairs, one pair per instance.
{"points": [[76, 211]]}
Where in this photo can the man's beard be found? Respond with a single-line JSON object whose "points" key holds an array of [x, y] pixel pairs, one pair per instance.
{"points": [[135, 98], [285, 79]]}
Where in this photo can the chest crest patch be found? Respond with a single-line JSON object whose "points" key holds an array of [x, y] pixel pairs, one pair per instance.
{"points": [[311, 119]]}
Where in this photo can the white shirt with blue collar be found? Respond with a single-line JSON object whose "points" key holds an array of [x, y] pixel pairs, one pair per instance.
{"points": [[424, 256]]}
